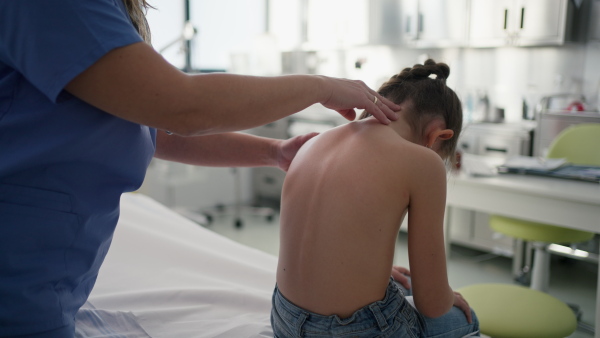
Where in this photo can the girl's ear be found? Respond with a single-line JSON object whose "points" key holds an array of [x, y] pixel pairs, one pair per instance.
{"points": [[438, 135], [445, 134], [436, 130]]}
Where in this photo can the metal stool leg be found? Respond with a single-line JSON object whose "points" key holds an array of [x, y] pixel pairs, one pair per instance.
{"points": [[541, 267]]}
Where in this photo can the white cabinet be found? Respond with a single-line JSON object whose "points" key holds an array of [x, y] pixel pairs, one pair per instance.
{"points": [[385, 24], [487, 23], [319, 24], [335, 24], [434, 23], [524, 22], [471, 229], [541, 22]]}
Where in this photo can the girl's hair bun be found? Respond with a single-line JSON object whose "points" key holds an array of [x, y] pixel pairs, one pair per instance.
{"points": [[418, 71]]}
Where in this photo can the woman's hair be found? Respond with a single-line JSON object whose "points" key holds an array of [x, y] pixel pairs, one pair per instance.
{"points": [[428, 98], [137, 12]]}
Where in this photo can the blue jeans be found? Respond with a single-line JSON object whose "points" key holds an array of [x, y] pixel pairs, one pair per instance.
{"points": [[393, 316]]}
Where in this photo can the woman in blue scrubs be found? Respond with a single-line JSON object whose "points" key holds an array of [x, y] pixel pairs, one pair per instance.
{"points": [[84, 105]]}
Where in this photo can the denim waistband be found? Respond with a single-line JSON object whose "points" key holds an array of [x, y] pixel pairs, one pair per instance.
{"points": [[380, 313]]}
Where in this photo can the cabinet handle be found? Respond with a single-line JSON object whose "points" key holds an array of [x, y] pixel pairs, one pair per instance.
{"points": [[494, 149], [408, 24], [420, 23], [522, 16], [505, 18]]}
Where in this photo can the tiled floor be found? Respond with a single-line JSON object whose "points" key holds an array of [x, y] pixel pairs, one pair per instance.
{"points": [[571, 281]]}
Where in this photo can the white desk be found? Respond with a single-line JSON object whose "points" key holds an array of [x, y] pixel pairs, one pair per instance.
{"points": [[554, 201]]}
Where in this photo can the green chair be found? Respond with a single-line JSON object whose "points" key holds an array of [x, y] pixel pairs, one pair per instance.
{"points": [[513, 311], [578, 144], [516, 311]]}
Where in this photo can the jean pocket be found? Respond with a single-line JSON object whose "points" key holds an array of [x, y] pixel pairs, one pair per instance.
{"points": [[34, 219]]}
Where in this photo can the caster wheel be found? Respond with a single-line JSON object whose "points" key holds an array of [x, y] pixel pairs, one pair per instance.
{"points": [[238, 223], [270, 218]]}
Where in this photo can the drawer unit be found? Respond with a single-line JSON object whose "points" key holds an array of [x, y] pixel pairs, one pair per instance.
{"points": [[495, 141]]}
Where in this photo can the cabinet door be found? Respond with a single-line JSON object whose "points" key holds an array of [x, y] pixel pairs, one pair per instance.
{"points": [[286, 23], [442, 23], [337, 23], [595, 21], [385, 22], [410, 20], [539, 22], [490, 23]]}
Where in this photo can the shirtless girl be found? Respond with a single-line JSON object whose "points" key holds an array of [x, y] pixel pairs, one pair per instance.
{"points": [[346, 194]]}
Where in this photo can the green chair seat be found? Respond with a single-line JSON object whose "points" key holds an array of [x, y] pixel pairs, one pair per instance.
{"points": [[511, 311], [538, 232]]}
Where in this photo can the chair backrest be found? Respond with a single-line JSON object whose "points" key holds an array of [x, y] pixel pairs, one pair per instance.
{"points": [[578, 144]]}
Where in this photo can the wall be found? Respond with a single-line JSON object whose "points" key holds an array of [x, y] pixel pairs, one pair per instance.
{"points": [[223, 27], [166, 24], [508, 75]]}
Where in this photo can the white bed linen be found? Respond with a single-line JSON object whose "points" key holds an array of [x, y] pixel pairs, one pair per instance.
{"points": [[177, 279]]}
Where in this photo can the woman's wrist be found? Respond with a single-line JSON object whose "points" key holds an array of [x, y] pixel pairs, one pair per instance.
{"points": [[274, 153], [323, 92]]}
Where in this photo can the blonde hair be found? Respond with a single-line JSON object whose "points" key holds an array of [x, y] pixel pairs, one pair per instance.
{"points": [[137, 12]]}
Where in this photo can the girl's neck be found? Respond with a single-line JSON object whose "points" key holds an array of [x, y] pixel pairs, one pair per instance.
{"points": [[404, 129]]}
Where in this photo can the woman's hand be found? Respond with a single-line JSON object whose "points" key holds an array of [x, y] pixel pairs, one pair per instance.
{"points": [[401, 275], [345, 95], [287, 149], [462, 304]]}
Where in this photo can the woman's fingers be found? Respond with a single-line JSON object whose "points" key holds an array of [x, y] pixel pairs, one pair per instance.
{"points": [[287, 149], [347, 95], [348, 114], [383, 109]]}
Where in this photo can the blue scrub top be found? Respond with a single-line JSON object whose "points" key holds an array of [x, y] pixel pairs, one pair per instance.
{"points": [[63, 163]]}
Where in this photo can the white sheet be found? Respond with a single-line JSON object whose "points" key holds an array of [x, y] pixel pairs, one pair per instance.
{"points": [[177, 279]]}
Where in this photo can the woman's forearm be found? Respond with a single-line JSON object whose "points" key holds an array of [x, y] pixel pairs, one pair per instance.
{"points": [[137, 84], [229, 102], [222, 150]]}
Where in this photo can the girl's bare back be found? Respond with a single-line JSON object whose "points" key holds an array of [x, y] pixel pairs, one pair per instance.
{"points": [[343, 201]]}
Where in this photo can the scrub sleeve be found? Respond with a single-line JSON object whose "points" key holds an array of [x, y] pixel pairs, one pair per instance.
{"points": [[64, 164]]}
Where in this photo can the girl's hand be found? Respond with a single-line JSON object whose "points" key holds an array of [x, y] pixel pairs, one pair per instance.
{"points": [[462, 304], [400, 275], [345, 95], [287, 149]]}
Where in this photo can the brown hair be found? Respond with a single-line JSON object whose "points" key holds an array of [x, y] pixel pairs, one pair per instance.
{"points": [[429, 98], [137, 13]]}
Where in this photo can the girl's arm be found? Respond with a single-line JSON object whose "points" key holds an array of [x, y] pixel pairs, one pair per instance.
{"points": [[432, 294], [135, 83]]}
